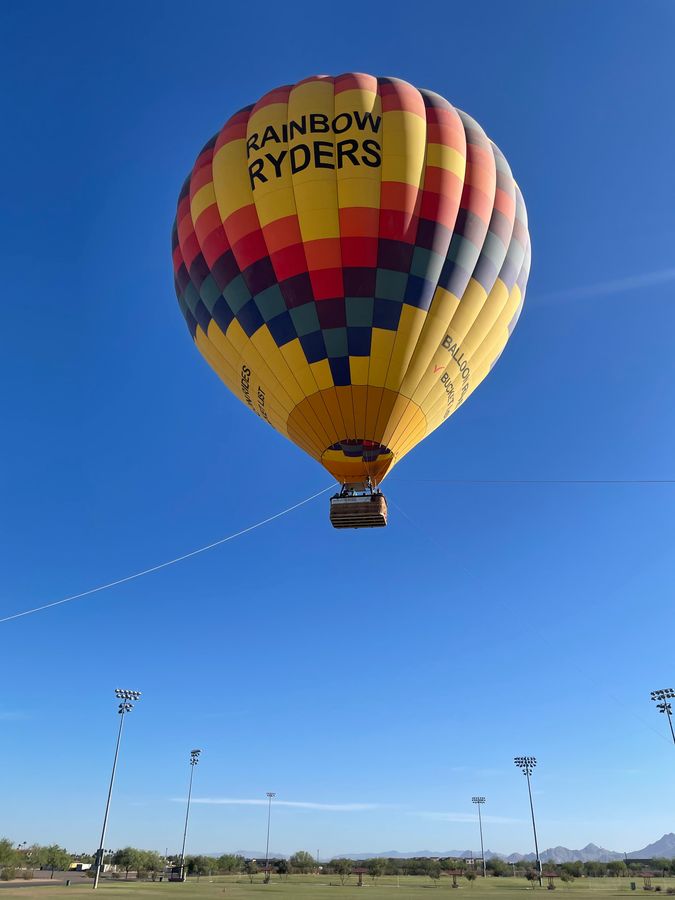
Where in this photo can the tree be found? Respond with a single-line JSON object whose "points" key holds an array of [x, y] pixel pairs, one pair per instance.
{"points": [[376, 867], [127, 858], [230, 863], [617, 868], [497, 866], [595, 869], [302, 861], [150, 861], [8, 854], [575, 869], [433, 870], [200, 865], [55, 858], [251, 869], [283, 867], [470, 876], [343, 868]]}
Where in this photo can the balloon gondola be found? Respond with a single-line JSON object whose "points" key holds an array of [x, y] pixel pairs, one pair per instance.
{"points": [[358, 506], [351, 256]]}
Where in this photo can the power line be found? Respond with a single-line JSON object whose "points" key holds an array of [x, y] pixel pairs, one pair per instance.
{"points": [[170, 562]]}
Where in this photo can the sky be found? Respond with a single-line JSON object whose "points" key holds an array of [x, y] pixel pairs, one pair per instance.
{"points": [[375, 680]]}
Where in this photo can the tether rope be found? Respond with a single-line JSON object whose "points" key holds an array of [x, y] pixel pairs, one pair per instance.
{"points": [[170, 562]]}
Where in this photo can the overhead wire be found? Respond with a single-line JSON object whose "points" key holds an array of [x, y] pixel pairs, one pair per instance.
{"points": [[167, 563], [538, 480]]}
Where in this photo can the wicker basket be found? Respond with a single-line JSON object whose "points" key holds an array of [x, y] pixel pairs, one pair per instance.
{"points": [[369, 511]]}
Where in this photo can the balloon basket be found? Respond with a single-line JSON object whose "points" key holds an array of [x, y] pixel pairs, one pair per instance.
{"points": [[349, 510]]}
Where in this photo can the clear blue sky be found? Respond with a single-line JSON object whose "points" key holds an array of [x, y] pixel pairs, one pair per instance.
{"points": [[399, 670]]}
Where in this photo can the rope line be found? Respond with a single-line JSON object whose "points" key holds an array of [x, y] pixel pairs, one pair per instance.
{"points": [[170, 562]]}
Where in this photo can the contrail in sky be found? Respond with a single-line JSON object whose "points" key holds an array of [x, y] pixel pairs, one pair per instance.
{"points": [[619, 285]]}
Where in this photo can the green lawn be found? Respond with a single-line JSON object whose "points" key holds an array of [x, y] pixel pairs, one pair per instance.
{"points": [[311, 887]]}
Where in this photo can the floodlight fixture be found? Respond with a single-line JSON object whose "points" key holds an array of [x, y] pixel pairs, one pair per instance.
{"points": [[663, 693], [125, 696], [664, 696], [526, 763]]}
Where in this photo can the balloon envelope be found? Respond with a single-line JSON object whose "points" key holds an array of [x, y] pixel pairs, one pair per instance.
{"points": [[351, 256]]}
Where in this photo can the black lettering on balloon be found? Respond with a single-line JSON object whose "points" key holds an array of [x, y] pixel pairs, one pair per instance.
{"points": [[322, 154], [316, 120], [347, 123], [367, 119], [246, 384], [297, 127], [295, 152], [372, 154], [255, 171], [323, 150], [276, 161], [269, 134], [252, 144], [347, 150]]}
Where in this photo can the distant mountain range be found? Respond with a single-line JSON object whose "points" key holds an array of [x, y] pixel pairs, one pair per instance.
{"points": [[589, 853], [665, 847]]}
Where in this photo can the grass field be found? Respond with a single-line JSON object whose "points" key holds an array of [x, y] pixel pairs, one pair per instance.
{"points": [[312, 887]]}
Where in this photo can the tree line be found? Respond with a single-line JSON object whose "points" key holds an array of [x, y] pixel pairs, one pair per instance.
{"points": [[303, 863], [27, 859], [22, 861]]}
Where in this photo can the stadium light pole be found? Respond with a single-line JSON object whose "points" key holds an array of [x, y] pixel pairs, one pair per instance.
{"points": [[270, 796], [527, 764], [664, 696], [194, 759], [479, 802], [125, 706]]}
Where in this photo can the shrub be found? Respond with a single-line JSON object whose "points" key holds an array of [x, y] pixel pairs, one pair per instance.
{"points": [[27, 874], [8, 873]]}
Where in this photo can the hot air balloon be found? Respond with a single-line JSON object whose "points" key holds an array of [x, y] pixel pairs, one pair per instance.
{"points": [[350, 256]]}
